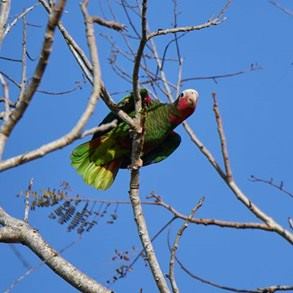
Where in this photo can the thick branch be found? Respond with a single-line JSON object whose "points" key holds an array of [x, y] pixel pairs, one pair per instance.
{"points": [[137, 146], [17, 231]]}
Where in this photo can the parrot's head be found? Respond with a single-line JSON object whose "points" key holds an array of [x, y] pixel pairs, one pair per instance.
{"points": [[186, 104], [146, 99]]}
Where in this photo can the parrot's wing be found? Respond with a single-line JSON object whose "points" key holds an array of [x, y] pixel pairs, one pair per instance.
{"points": [[127, 106], [164, 150]]}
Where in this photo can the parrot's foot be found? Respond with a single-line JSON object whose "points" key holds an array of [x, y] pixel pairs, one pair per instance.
{"points": [[137, 164]]}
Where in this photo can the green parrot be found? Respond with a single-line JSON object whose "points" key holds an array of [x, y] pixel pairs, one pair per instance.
{"points": [[99, 160]]}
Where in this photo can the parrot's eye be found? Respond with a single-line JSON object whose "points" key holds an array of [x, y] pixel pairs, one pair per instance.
{"points": [[181, 95]]}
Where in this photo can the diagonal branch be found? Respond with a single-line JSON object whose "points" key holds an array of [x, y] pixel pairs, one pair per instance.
{"points": [[27, 95], [17, 18], [269, 221], [17, 231], [281, 7], [76, 130], [223, 141], [175, 246], [109, 23], [61, 142]]}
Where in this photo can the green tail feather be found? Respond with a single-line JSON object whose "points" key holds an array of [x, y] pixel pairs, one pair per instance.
{"points": [[99, 176]]}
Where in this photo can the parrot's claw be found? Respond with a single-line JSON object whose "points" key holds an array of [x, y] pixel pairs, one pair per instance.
{"points": [[137, 164]]}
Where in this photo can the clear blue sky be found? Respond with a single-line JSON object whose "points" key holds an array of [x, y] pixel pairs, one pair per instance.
{"points": [[257, 113]]}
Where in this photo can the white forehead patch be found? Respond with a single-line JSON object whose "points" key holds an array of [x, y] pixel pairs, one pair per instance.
{"points": [[191, 91]]}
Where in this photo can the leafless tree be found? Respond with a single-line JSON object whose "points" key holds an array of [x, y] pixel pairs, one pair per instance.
{"points": [[148, 70]]}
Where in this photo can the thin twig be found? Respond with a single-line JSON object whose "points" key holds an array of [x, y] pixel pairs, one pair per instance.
{"points": [[215, 77], [175, 246], [281, 7], [271, 182], [27, 201], [222, 137], [17, 18], [109, 23], [101, 128], [210, 283], [270, 289], [31, 269]]}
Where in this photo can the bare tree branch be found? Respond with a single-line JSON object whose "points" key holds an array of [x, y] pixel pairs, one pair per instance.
{"points": [[279, 186], [23, 58], [31, 269], [63, 141], [16, 231], [184, 28], [211, 22], [215, 77], [270, 289], [281, 7], [17, 18], [26, 97], [204, 221], [136, 163], [76, 130], [210, 283], [109, 23], [175, 246], [27, 201], [203, 149], [223, 141], [4, 14], [86, 67], [5, 99], [269, 221]]}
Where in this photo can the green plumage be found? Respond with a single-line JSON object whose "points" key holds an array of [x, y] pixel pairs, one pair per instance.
{"points": [[99, 160]]}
